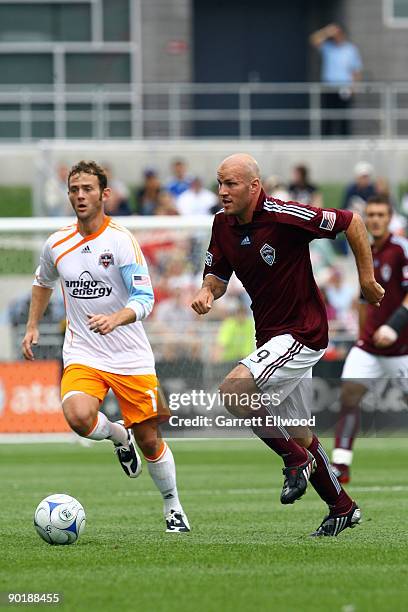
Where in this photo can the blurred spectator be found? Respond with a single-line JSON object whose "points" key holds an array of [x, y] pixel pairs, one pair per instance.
{"points": [[276, 188], [147, 197], [404, 203], [197, 200], [358, 192], [56, 193], [236, 336], [118, 203], [52, 326], [341, 66], [330, 309], [176, 323], [322, 256], [179, 182], [301, 189], [340, 294], [166, 204]]}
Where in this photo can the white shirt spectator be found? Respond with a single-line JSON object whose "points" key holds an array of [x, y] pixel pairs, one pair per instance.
{"points": [[197, 200]]}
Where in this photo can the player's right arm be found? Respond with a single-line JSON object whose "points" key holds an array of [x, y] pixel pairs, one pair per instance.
{"points": [[39, 302], [212, 289], [217, 272], [45, 278]]}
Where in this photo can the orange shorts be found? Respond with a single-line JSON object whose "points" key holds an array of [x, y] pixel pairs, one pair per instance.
{"points": [[137, 394]]}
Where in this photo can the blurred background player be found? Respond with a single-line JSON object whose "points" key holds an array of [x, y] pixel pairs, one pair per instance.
{"points": [[107, 293], [266, 243], [382, 348]]}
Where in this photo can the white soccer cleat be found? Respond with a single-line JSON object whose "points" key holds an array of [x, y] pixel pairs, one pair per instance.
{"points": [[177, 522], [128, 457]]}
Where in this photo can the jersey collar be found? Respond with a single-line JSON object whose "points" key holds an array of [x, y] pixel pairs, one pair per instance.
{"points": [[386, 243], [99, 232], [232, 219]]}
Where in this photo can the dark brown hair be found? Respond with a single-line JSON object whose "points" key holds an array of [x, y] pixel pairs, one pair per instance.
{"points": [[380, 199], [90, 167]]}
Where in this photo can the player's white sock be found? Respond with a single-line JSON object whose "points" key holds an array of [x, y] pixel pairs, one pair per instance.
{"points": [[342, 456], [163, 472], [104, 429]]}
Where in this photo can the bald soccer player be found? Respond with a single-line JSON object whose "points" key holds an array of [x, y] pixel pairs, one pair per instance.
{"points": [[266, 243]]}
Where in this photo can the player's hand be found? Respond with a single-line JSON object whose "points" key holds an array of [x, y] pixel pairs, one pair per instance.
{"points": [[373, 292], [384, 336], [30, 338], [203, 301], [102, 324]]}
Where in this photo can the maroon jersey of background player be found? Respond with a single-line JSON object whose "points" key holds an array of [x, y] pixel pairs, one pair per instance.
{"points": [[270, 256], [391, 270]]}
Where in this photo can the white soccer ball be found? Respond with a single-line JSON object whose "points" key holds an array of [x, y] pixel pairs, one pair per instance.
{"points": [[59, 519]]}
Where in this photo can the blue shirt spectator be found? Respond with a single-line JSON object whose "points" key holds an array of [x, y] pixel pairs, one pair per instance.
{"points": [[179, 182], [340, 62]]}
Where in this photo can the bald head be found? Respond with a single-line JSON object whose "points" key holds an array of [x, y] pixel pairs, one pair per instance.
{"points": [[241, 163], [239, 185]]}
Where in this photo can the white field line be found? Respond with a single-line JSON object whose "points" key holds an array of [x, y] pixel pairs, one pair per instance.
{"points": [[264, 491]]}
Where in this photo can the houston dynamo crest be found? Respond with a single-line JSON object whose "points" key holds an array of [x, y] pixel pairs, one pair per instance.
{"points": [[106, 259], [268, 254]]}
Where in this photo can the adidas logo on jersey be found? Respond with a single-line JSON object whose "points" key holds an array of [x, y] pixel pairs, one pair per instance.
{"points": [[86, 249], [245, 241]]}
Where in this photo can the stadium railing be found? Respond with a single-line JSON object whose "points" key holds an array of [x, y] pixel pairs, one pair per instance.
{"points": [[188, 110]]}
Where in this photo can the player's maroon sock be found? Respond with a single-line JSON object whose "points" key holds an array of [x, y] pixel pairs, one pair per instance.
{"points": [[347, 427], [325, 482], [278, 439]]}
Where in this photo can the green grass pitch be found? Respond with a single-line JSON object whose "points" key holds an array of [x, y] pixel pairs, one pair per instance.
{"points": [[245, 552]]}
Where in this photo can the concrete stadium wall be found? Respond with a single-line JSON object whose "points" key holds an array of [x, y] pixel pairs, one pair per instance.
{"points": [[328, 161], [384, 49], [166, 41]]}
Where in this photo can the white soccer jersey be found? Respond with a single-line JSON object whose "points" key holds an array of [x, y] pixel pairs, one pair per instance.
{"points": [[100, 274]]}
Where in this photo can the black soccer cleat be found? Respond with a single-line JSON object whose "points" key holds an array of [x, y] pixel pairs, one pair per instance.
{"points": [[333, 524], [296, 479], [177, 522], [128, 457]]}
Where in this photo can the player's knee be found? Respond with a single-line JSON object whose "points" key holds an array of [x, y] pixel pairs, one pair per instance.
{"points": [[232, 397], [79, 418], [150, 446]]}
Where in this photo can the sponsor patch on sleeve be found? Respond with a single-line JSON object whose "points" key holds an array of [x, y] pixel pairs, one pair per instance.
{"points": [[208, 258], [328, 220], [140, 279]]}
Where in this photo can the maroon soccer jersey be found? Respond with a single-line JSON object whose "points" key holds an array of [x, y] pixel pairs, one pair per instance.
{"points": [[391, 271], [271, 258]]}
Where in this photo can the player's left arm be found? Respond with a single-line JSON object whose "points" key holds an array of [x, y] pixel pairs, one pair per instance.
{"points": [[357, 238], [388, 333], [327, 223], [104, 324], [135, 275]]}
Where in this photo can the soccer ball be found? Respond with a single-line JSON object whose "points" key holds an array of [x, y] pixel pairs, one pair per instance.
{"points": [[59, 519]]}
